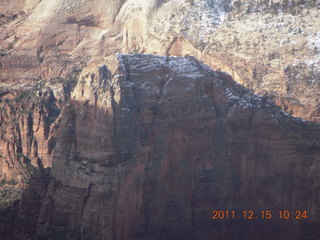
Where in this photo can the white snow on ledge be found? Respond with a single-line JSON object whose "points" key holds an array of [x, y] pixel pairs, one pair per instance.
{"points": [[314, 41]]}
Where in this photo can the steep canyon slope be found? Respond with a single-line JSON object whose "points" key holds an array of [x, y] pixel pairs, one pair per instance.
{"points": [[148, 146], [136, 146], [269, 46]]}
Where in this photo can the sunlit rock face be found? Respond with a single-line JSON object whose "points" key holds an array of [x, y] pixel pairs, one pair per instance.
{"points": [[148, 146], [269, 46]]}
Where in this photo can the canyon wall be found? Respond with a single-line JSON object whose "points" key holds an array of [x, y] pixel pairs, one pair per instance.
{"points": [[148, 146], [272, 48], [145, 147]]}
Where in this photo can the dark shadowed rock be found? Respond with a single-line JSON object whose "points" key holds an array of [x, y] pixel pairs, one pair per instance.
{"points": [[148, 146]]}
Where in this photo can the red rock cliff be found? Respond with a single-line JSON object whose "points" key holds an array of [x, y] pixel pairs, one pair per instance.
{"points": [[148, 146]]}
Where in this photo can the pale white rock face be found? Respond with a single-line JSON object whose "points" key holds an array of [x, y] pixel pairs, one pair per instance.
{"points": [[101, 11], [149, 26]]}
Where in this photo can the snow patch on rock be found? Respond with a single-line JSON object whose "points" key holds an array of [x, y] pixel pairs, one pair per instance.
{"points": [[314, 43]]}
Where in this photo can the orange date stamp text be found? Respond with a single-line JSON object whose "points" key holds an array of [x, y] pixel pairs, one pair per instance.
{"points": [[259, 215]]}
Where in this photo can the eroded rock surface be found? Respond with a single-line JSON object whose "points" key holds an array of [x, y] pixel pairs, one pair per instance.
{"points": [[138, 129], [149, 145], [269, 46], [29, 119]]}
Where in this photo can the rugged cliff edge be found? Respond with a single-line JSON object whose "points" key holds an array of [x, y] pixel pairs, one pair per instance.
{"points": [[271, 47], [148, 146], [97, 146]]}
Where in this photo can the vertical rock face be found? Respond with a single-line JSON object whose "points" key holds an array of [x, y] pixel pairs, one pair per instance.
{"points": [[51, 39], [29, 119], [234, 35], [148, 146]]}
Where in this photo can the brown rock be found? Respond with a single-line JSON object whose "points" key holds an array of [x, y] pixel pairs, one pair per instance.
{"points": [[51, 39], [148, 150]]}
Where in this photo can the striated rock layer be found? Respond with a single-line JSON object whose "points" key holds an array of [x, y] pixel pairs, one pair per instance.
{"points": [[271, 47], [148, 146], [29, 119]]}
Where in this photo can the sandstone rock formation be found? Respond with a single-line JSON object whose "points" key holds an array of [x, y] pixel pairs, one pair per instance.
{"points": [[149, 145], [144, 147], [28, 123], [269, 46]]}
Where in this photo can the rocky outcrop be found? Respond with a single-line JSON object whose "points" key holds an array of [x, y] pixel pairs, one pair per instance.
{"points": [[139, 129], [29, 119], [269, 46], [148, 146], [255, 43]]}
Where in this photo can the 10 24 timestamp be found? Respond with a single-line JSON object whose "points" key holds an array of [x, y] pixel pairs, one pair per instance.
{"points": [[263, 214]]}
